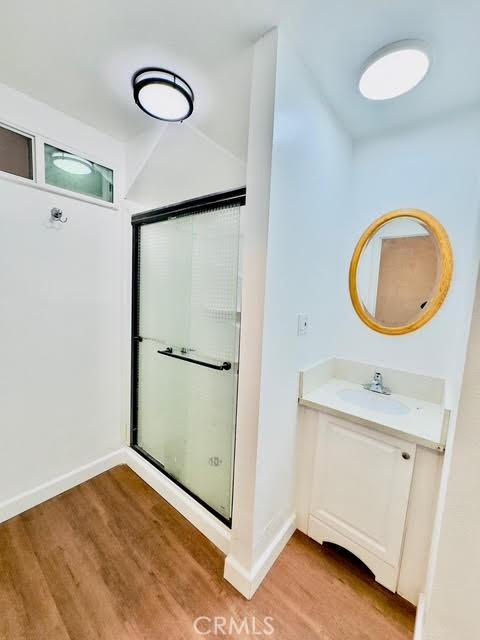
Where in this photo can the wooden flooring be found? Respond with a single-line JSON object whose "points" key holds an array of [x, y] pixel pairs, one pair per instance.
{"points": [[111, 560]]}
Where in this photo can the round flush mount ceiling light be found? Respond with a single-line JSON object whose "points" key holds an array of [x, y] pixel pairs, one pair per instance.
{"points": [[394, 70], [162, 94], [71, 163]]}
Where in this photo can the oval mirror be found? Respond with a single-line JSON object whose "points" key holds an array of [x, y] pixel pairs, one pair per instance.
{"points": [[401, 271]]}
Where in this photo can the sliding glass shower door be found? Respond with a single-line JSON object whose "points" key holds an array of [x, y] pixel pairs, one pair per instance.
{"points": [[185, 346]]}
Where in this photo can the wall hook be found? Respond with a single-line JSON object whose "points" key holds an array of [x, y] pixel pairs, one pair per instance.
{"points": [[56, 215]]}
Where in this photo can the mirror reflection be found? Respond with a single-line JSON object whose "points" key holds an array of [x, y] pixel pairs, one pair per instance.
{"points": [[399, 272]]}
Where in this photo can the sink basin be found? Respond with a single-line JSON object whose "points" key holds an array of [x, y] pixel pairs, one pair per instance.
{"points": [[373, 401]]}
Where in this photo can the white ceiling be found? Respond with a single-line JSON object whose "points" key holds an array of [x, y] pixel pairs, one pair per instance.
{"points": [[190, 167], [338, 36], [79, 56]]}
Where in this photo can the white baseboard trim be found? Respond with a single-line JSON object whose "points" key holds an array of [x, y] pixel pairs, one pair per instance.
{"points": [[419, 620], [247, 581], [28, 499], [202, 519]]}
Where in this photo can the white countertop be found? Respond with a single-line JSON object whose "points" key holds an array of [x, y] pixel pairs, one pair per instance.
{"points": [[423, 424]]}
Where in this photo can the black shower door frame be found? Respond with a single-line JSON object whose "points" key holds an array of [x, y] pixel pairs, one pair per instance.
{"points": [[235, 197]]}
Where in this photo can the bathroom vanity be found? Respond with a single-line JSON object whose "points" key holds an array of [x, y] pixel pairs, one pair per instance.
{"points": [[369, 466]]}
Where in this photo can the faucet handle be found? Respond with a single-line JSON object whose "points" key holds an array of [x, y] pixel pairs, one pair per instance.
{"points": [[376, 384]]}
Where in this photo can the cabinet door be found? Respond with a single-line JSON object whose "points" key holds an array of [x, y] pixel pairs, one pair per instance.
{"points": [[362, 484]]}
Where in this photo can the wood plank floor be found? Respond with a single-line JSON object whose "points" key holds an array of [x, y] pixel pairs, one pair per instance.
{"points": [[111, 560]]}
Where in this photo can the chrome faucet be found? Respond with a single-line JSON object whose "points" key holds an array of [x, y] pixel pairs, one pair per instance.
{"points": [[376, 385]]}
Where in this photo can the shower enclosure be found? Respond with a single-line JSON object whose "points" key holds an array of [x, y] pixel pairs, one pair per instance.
{"points": [[185, 343]]}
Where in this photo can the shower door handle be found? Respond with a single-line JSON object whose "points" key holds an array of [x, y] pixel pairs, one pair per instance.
{"points": [[226, 366]]}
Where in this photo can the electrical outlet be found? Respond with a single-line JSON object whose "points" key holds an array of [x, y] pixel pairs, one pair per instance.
{"points": [[302, 326]]}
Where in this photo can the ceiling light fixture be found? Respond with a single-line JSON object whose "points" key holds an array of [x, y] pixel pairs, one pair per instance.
{"points": [[71, 163], [394, 70], [162, 94]]}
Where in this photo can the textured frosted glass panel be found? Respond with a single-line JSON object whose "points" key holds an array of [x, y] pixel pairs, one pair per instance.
{"points": [[214, 318], [209, 445], [214, 334], [69, 171], [165, 281], [162, 408], [188, 301]]}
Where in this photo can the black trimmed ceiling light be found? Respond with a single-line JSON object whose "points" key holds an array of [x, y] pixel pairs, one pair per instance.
{"points": [[394, 70], [162, 94]]}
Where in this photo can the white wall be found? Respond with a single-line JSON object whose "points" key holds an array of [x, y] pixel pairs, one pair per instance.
{"points": [[183, 163], [432, 167], [254, 228], [310, 157], [452, 604], [19, 109], [435, 168], [311, 163], [61, 324], [322, 196]]}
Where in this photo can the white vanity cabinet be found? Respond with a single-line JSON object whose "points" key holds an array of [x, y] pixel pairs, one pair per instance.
{"points": [[360, 492], [371, 492]]}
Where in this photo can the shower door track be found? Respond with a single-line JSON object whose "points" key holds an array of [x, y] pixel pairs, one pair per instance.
{"points": [[235, 197]]}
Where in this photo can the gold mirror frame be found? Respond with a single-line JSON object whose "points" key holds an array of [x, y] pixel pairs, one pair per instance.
{"points": [[446, 256]]}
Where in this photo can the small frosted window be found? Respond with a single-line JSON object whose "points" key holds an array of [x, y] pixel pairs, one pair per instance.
{"points": [[16, 153], [69, 171]]}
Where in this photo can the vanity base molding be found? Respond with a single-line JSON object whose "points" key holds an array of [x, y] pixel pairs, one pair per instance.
{"points": [[385, 574]]}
